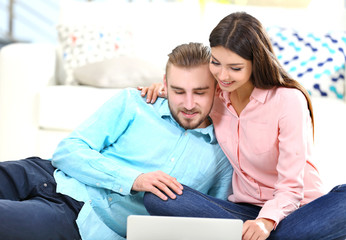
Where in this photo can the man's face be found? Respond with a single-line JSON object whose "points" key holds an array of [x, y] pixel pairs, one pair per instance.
{"points": [[190, 93]]}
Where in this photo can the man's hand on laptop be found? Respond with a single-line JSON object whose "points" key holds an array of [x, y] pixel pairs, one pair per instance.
{"points": [[158, 183]]}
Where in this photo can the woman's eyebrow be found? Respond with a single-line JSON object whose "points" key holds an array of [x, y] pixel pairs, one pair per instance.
{"points": [[230, 64]]}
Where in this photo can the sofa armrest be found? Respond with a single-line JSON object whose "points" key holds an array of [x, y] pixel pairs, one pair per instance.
{"points": [[24, 70]]}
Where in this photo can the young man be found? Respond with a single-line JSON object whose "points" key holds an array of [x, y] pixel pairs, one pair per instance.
{"points": [[105, 166]]}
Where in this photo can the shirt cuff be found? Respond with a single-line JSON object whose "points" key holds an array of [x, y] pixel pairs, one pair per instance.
{"points": [[276, 219], [123, 185]]}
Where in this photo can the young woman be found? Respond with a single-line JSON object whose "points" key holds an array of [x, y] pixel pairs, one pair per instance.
{"points": [[264, 123]]}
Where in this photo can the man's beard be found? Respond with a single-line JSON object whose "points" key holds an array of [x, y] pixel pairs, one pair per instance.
{"points": [[187, 124]]}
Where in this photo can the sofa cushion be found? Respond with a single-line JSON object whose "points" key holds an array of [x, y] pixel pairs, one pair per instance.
{"points": [[329, 142], [126, 28], [84, 44], [63, 108], [316, 60], [119, 72]]}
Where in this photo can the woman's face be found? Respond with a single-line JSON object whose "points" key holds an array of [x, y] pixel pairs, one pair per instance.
{"points": [[229, 69]]}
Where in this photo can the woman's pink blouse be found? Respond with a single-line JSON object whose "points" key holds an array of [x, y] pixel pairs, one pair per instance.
{"points": [[269, 146]]}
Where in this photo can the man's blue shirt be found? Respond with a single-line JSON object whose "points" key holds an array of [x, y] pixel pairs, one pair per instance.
{"points": [[99, 161]]}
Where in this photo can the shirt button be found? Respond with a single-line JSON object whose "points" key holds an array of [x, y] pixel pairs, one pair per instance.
{"points": [[110, 199], [97, 184], [185, 133], [120, 190], [45, 184], [172, 159]]}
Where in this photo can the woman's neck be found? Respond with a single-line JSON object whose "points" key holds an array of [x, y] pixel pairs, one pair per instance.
{"points": [[244, 92], [241, 97]]}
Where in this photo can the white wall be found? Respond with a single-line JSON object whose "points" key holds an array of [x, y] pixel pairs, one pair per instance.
{"points": [[320, 16]]}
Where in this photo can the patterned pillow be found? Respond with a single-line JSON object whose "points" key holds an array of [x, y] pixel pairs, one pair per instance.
{"points": [[80, 45], [316, 60]]}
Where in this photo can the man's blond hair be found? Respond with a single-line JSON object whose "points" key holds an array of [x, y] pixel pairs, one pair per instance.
{"points": [[189, 55]]}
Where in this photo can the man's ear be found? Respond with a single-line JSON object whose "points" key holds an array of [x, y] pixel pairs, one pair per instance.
{"points": [[165, 82]]}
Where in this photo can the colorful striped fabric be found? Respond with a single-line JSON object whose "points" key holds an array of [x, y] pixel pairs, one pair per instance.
{"points": [[316, 60]]}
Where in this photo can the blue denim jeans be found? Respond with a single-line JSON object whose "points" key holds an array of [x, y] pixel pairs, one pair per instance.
{"points": [[30, 208], [323, 218]]}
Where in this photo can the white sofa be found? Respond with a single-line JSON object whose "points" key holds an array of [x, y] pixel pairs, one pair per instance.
{"points": [[37, 110]]}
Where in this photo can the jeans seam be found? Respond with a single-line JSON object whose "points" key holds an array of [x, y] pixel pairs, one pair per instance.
{"points": [[226, 209]]}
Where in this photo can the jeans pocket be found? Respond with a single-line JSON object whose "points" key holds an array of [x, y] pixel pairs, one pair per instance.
{"points": [[47, 188]]}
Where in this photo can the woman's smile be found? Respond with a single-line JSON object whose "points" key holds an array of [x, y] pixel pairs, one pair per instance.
{"points": [[225, 83]]}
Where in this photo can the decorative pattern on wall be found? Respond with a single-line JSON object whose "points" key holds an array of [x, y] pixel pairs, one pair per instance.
{"points": [[317, 61]]}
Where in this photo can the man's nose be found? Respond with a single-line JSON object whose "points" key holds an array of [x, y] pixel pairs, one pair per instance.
{"points": [[189, 102]]}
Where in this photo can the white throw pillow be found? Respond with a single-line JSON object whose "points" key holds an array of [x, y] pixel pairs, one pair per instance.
{"points": [[118, 72]]}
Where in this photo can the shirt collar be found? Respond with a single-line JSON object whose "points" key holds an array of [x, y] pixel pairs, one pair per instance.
{"points": [[257, 94], [207, 132], [163, 108]]}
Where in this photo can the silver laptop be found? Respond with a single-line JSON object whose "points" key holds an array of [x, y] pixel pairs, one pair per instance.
{"points": [[182, 228]]}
